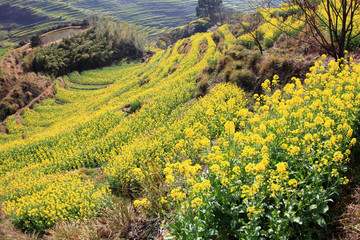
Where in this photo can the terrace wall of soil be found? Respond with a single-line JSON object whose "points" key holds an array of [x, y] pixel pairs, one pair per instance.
{"points": [[17, 87]]}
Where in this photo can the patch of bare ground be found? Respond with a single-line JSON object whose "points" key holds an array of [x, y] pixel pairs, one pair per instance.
{"points": [[9, 232], [117, 221], [350, 219], [185, 47], [202, 49], [19, 88], [346, 209]]}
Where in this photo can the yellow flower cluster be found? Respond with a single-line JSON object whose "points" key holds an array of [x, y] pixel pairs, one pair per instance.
{"points": [[60, 197], [177, 194], [141, 203], [88, 128], [196, 202], [295, 139], [180, 152], [275, 24]]}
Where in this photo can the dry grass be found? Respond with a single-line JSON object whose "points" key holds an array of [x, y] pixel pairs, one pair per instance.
{"points": [[185, 47], [18, 88], [347, 208], [350, 219], [119, 221], [9, 232]]}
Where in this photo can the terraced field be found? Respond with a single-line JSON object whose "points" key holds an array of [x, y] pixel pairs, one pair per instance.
{"points": [[227, 165], [273, 158], [87, 124], [74, 82], [155, 16]]}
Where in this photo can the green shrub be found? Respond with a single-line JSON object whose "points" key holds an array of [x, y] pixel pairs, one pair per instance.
{"points": [[247, 44], [2, 53], [202, 88], [134, 106], [243, 78], [354, 44], [35, 41], [144, 81], [216, 37], [268, 42]]}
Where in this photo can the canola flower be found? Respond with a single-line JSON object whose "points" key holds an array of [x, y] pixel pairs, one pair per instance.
{"points": [[275, 24], [60, 197], [188, 133], [141, 203], [274, 168], [89, 129], [210, 154]]}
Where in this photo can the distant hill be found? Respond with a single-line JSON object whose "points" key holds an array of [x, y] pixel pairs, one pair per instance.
{"points": [[23, 18]]}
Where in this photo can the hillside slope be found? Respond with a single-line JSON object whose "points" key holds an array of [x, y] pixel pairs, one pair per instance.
{"points": [[87, 128], [223, 165], [18, 87]]}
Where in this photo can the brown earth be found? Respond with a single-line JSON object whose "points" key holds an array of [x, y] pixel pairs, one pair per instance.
{"points": [[19, 88]]}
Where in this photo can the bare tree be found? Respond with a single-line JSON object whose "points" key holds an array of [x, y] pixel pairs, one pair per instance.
{"points": [[250, 26], [331, 23]]}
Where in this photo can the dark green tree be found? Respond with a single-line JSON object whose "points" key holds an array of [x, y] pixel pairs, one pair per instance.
{"points": [[209, 8], [85, 23], [35, 41], [101, 45]]}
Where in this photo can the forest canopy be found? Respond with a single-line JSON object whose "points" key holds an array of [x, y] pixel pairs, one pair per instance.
{"points": [[104, 43]]}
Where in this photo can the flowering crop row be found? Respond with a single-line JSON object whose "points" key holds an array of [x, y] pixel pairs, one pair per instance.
{"points": [[273, 171], [275, 24], [90, 129], [228, 171], [48, 199]]}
